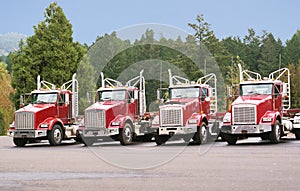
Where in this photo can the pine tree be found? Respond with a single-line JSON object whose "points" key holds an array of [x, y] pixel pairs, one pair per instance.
{"points": [[269, 54], [50, 52], [291, 53], [6, 106]]}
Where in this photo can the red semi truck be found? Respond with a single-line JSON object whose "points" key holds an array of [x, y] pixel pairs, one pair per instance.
{"points": [[189, 112], [262, 108], [51, 115], [119, 113]]}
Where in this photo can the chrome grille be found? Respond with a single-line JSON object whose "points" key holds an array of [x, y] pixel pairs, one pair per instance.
{"points": [[95, 119], [244, 114], [171, 117], [24, 120]]}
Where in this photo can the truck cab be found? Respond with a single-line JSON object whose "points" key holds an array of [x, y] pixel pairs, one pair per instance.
{"points": [[259, 109], [51, 114], [187, 111], [118, 113]]}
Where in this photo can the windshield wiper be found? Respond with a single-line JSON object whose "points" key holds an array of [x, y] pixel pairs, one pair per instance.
{"points": [[40, 101], [106, 98]]}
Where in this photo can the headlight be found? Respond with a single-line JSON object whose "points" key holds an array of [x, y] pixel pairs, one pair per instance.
{"points": [[12, 125], [227, 118], [193, 121], [267, 119], [44, 125], [115, 123]]}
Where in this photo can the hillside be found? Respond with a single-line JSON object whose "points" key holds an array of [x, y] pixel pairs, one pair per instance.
{"points": [[9, 42]]}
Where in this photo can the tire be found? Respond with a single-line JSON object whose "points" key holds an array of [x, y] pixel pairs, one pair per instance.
{"points": [[275, 134], [55, 136], [231, 139], [126, 134], [20, 142], [201, 136], [297, 134], [161, 139], [78, 138]]}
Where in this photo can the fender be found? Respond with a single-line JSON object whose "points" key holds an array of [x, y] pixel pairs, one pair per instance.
{"points": [[119, 121], [196, 119], [204, 117], [51, 121], [269, 117]]}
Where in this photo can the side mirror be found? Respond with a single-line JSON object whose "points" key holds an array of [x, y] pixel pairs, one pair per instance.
{"points": [[90, 97], [229, 91], [284, 89], [158, 94], [131, 100]]}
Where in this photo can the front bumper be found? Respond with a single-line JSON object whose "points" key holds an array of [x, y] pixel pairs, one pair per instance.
{"points": [[99, 132], [27, 133], [177, 130], [246, 129]]}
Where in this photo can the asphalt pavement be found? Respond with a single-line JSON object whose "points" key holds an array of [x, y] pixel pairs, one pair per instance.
{"points": [[252, 164]]}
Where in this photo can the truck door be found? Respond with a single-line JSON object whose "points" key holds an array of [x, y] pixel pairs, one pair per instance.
{"points": [[63, 106], [277, 97], [204, 100], [132, 103]]}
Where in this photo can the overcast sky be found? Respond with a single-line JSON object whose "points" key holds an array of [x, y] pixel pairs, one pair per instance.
{"points": [[92, 18]]}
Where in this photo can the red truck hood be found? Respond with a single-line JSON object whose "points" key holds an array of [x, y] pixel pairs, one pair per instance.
{"points": [[182, 101], [106, 105], [253, 99], [36, 107]]}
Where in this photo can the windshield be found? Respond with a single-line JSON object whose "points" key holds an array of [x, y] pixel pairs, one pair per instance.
{"points": [[252, 89], [44, 98], [184, 92], [116, 95]]}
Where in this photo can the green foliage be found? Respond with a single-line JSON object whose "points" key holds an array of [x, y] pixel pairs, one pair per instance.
{"points": [[6, 106], [50, 52], [292, 50], [85, 77], [270, 52]]}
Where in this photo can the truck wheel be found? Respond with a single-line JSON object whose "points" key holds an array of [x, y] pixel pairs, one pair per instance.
{"points": [[297, 134], [126, 134], [161, 139], [55, 136], [275, 134], [201, 136], [231, 139], [78, 138], [20, 142]]}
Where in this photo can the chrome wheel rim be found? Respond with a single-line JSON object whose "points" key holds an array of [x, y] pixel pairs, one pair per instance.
{"points": [[127, 133], [57, 135]]}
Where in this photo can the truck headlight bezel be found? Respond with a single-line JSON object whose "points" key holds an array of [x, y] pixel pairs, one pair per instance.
{"points": [[227, 118], [267, 119], [115, 123], [44, 125], [192, 121]]}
